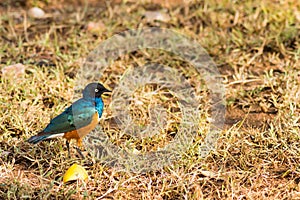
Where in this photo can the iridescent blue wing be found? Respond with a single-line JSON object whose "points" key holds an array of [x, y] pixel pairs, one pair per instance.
{"points": [[78, 115]]}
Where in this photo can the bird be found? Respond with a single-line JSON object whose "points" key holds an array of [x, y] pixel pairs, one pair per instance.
{"points": [[77, 120]]}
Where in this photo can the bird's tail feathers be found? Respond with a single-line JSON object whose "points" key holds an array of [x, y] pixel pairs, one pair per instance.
{"points": [[43, 136]]}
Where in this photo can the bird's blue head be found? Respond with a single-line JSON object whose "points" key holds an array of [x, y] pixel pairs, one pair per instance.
{"points": [[94, 90]]}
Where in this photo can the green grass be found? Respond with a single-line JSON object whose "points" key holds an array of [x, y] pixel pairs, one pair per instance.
{"points": [[256, 48]]}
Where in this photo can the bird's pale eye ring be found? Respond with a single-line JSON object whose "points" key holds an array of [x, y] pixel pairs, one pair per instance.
{"points": [[96, 90]]}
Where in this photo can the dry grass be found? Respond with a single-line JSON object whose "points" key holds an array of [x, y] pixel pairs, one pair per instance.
{"points": [[256, 48]]}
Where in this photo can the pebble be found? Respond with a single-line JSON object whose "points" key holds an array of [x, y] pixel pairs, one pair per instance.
{"points": [[36, 12]]}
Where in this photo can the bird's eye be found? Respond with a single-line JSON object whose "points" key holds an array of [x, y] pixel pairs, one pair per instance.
{"points": [[96, 90]]}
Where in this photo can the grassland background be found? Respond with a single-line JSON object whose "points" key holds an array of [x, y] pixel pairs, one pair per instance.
{"points": [[255, 45]]}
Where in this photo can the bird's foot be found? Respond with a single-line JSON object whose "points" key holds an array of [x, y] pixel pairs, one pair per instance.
{"points": [[88, 163], [80, 152]]}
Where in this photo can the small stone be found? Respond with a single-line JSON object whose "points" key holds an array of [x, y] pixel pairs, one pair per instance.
{"points": [[14, 71], [157, 15], [36, 12], [95, 26]]}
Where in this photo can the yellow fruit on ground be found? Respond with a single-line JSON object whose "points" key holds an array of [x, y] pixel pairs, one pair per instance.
{"points": [[75, 172]]}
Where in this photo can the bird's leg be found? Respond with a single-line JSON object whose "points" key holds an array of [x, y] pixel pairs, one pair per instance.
{"points": [[68, 146], [79, 144], [80, 153]]}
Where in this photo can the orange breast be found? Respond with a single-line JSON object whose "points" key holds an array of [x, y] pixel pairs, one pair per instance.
{"points": [[80, 133]]}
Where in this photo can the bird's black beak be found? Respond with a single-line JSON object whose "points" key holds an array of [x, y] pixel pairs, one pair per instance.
{"points": [[107, 90], [105, 95]]}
